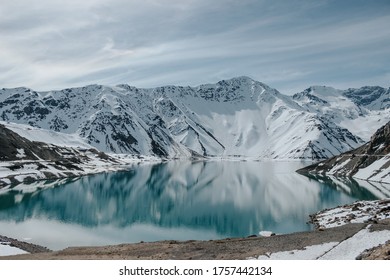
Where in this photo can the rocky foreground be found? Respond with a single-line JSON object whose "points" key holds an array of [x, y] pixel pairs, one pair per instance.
{"points": [[366, 238]]}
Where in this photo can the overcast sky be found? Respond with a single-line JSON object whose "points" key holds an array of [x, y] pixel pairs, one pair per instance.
{"points": [[289, 45]]}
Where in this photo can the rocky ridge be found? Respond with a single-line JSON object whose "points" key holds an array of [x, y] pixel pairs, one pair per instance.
{"points": [[370, 162]]}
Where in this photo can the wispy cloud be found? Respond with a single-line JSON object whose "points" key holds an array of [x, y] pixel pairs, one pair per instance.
{"points": [[287, 44]]}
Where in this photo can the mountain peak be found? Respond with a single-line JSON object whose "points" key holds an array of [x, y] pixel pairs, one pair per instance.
{"points": [[323, 91], [240, 79]]}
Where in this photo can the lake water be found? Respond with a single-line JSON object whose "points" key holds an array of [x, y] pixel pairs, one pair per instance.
{"points": [[174, 200]]}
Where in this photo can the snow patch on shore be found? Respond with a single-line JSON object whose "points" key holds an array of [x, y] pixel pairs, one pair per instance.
{"points": [[348, 249], [308, 253], [351, 248], [7, 250]]}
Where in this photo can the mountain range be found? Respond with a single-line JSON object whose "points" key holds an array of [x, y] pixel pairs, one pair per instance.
{"points": [[239, 117]]}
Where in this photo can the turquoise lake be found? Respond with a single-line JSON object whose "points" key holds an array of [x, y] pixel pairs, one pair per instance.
{"points": [[178, 200]]}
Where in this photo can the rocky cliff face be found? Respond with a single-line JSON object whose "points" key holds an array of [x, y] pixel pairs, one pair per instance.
{"points": [[371, 161]]}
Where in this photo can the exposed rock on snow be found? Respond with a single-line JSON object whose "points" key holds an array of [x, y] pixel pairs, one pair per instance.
{"points": [[10, 246], [368, 162], [47, 161], [358, 212]]}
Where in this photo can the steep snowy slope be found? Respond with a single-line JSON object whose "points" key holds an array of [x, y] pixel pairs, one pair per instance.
{"points": [[47, 136], [236, 117], [369, 162]]}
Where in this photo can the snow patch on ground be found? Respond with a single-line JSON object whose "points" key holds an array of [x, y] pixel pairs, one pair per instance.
{"points": [[308, 253], [338, 167], [348, 249], [7, 250], [351, 248], [21, 153]]}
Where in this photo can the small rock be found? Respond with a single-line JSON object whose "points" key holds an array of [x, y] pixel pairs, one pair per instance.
{"points": [[266, 233]]}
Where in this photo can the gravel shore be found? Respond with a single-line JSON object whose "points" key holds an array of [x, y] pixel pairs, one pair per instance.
{"points": [[235, 248]]}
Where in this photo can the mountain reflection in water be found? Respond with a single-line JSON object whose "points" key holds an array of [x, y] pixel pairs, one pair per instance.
{"points": [[174, 200]]}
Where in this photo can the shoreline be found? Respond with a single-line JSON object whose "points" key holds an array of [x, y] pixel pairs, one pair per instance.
{"points": [[297, 244], [225, 249], [113, 163]]}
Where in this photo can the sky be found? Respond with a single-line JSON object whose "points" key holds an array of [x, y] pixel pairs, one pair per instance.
{"points": [[289, 45]]}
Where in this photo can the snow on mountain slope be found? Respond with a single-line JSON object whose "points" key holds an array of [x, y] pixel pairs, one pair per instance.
{"points": [[361, 111], [48, 136], [104, 117], [369, 162], [372, 98], [26, 159], [236, 117]]}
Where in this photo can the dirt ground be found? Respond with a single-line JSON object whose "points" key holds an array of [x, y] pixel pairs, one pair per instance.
{"points": [[235, 248]]}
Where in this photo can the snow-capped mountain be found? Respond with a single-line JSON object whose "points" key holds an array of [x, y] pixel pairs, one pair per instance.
{"points": [[369, 162], [361, 111], [236, 117]]}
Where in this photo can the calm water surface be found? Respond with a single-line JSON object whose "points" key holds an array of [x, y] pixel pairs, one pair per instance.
{"points": [[175, 200]]}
